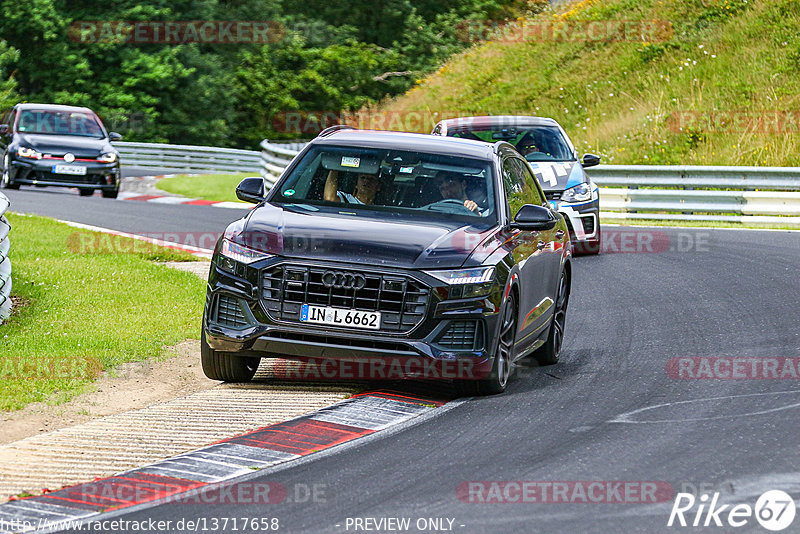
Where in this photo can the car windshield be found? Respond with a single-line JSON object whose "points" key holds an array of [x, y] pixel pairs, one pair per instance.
{"points": [[390, 183], [536, 143], [53, 122]]}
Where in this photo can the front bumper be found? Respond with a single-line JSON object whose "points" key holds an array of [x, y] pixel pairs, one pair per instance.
{"points": [[452, 341], [104, 176], [583, 219]]}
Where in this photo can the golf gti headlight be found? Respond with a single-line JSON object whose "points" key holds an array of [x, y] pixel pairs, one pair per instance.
{"points": [[466, 283], [25, 152], [234, 252], [108, 157], [579, 193]]}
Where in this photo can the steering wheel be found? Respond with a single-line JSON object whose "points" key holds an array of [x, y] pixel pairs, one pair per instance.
{"points": [[449, 205]]}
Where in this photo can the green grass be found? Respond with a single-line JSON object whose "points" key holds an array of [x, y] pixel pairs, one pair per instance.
{"points": [[217, 187], [91, 302], [624, 100]]}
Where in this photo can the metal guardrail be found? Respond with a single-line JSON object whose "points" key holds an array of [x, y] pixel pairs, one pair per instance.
{"points": [[671, 192], [275, 157], [187, 158], [5, 261], [701, 193]]}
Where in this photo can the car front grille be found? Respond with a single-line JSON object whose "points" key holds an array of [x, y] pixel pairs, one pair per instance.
{"points": [[401, 300], [553, 195], [228, 312], [462, 335]]}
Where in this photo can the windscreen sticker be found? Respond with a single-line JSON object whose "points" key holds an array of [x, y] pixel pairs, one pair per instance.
{"points": [[406, 170], [289, 192], [351, 162]]}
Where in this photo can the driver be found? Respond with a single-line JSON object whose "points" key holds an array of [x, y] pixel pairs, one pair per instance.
{"points": [[367, 186], [454, 186]]}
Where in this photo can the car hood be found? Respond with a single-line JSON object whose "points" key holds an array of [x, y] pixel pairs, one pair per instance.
{"points": [[332, 236], [558, 175], [58, 145]]}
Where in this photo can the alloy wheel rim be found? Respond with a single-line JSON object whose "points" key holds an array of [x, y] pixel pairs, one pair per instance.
{"points": [[560, 318], [506, 343]]}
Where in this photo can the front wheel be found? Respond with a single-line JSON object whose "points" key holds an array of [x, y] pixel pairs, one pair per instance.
{"points": [[86, 192], [548, 353], [110, 194], [503, 359], [226, 366], [5, 179]]}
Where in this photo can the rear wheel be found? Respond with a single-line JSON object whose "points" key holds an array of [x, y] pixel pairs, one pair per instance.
{"points": [[548, 353], [110, 194], [86, 192], [226, 366], [502, 366], [5, 179]]}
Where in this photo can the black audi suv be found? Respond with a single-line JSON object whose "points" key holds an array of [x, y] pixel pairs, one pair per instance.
{"points": [[554, 160], [51, 145], [378, 253]]}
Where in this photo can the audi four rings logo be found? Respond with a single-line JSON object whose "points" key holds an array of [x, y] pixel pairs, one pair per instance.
{"points": [[343, 280]]}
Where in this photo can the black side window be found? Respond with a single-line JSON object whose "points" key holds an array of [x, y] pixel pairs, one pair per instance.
{"points": [[520, 185], [9, 119], [536, 194]]}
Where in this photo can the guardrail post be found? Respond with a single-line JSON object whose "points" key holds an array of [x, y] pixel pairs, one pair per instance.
{"points": [[5, 261]]}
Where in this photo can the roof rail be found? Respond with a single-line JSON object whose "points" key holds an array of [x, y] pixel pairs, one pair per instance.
{"points": [[335, 128]]}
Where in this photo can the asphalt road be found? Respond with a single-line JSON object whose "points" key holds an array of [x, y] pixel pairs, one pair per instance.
{"points": [[608, 412]]}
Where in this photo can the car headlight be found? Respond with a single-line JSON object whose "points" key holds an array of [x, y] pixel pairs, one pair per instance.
{"points": [[580, 193], [466, 283], [239, 253], [25, 152], [108, 157]]}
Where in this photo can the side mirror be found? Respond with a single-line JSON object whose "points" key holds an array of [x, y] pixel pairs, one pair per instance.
{"points": [[114, 136], [533, 217], [3, 129], [590, 160], [251, 190]]}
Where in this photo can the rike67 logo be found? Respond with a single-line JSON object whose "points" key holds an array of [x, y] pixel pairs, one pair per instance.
{"points": [[774, 510]]}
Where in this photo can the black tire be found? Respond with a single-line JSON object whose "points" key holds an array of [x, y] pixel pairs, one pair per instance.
{"points": [[548, 353], [502, 367], [86, 192], [226, 366], [5, 178], [110, 194]]}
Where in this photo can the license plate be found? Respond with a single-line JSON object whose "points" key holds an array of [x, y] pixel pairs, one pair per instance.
{"points": [[77, 170], [340, 317]]}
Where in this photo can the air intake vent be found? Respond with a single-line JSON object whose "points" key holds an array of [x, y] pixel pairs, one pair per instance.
{"points": [[462, 335], [228, 312]]}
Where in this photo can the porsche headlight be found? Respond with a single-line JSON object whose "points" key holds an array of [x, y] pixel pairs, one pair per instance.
{"points": [[108, 157], [580, 193], [25, 152], [466, 283]]}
